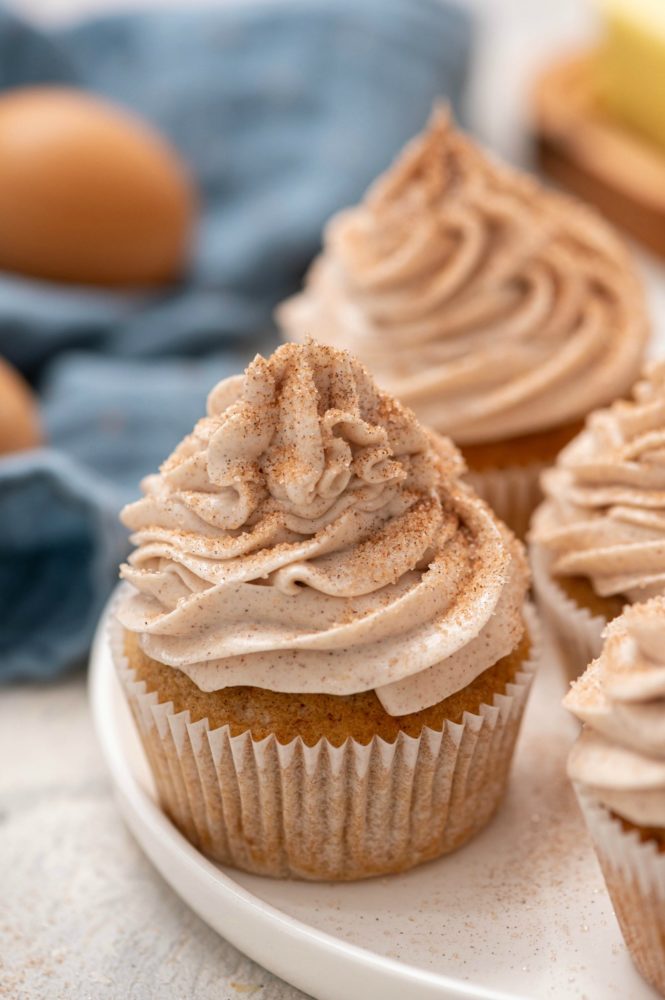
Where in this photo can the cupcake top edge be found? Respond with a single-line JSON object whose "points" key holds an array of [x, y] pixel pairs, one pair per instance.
{"points": [[604, 512], [621, 701], [491, 305], [311, 536]]}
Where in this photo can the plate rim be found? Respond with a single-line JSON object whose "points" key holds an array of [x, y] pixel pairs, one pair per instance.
{"points": [[147, 822]]}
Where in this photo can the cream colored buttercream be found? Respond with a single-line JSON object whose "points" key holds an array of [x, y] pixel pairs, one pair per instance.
{"points": [[491, 306], [310, 536], [621, 699], [604, 513]]}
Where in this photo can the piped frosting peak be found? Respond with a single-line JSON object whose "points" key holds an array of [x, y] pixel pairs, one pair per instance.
{"points": [[604, 514], [309, 535], [490, 305]]}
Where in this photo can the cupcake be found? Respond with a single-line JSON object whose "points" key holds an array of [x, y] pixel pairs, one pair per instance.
{"points": [[500, 312], [618, 767], [322, 634], [598, 539]]}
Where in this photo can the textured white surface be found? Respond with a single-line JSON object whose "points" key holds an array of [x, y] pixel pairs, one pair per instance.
{"points": [[83, 916]]}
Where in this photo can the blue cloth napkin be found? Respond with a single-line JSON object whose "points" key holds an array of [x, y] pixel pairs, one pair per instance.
{"points": [[284, 111]]}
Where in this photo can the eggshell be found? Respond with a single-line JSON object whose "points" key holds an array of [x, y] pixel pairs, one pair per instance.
{"points": [[19, 419], [88, 192]]}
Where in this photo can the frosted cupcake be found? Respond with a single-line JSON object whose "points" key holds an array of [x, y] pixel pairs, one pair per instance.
{"points": [[598, 539], [618, 766], [502, 313], [323, 636]]}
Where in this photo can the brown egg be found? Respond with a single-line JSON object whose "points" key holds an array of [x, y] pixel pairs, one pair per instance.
{"points": [[19, 419], [88, 192]]}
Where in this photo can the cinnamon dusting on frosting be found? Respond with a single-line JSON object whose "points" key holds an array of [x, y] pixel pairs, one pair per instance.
{"points": [[604, 513], [492, 306], [309, 535], [621, 700]]}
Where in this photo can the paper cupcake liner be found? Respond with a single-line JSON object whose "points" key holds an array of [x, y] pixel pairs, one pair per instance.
{"points": [[635, 875], [513, 494], [577, 632], [327, 812]]}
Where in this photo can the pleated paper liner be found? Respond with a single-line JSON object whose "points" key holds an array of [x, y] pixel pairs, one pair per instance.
{"points": [[576, 631], [634, 871], [513, 493], [326, 812]]}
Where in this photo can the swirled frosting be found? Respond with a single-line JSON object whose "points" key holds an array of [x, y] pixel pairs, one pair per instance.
{"points": [[491, 306], [604, 513], [310, 536], [621, 700]]}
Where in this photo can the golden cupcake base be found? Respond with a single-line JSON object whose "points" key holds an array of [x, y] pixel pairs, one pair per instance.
{"points": [[326, 811], [580, 591], [312, 717], [540, 448], [576, 618], [634, 869]]}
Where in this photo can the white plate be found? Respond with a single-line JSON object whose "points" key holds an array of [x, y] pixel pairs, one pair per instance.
{"points": [[519, 913]]}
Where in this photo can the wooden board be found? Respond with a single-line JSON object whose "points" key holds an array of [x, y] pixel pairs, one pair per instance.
{"points": [[596, 157]]}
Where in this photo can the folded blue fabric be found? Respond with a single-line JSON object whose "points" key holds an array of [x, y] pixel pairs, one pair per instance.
{"points": [[285, 111], [60, 539]]}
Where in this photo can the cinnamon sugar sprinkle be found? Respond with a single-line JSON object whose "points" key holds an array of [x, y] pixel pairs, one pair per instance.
{"points": [[310, 531]]}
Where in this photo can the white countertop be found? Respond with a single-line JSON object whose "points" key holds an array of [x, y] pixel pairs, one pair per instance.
{"points": [[83, 915]]}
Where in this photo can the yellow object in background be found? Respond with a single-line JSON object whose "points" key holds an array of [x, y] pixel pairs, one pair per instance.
{"points": [[89, 193], [630, 64]]}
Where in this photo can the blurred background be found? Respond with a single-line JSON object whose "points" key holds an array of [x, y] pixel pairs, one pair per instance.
{"points": [[165, 173]]}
